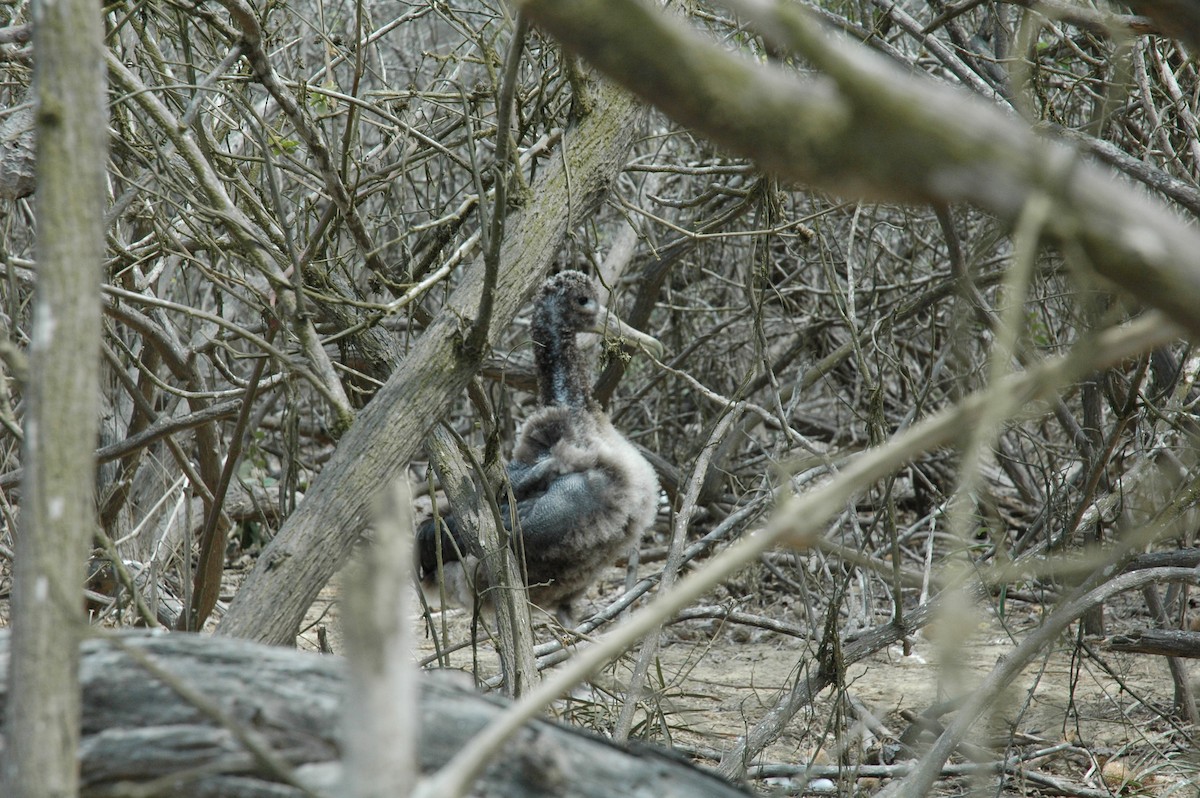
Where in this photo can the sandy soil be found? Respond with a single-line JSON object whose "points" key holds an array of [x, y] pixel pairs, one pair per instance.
{"points": [[713, 681]]}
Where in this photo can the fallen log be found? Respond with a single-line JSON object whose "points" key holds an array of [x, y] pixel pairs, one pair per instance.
{"points": [[200, 717], [1163, 642]]}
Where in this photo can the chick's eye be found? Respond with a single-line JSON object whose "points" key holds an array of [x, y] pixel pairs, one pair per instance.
{"points": [[582, 301]]}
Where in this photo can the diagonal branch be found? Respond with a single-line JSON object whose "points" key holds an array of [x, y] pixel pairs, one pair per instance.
{"points": [[797, 523], [867, 128], [388, 433]]}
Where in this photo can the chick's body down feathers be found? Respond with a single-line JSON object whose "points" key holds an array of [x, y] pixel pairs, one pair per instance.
{"points": [[583, 493]]}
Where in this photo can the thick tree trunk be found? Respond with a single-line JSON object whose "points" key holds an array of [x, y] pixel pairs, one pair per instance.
{"points": [[57, 507], [212, 716], [388, 433]]}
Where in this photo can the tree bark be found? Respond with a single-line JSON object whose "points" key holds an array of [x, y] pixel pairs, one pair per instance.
{"points": [[388, 433], [867, 128], [1177, 18], [1163, 642], [377, 621], [508, 595], [58, 507], [198, 713]]}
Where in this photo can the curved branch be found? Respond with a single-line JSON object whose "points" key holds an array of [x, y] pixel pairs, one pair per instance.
{"points": [[796, 523], [388, 432], [866, 128], [920, 782]]}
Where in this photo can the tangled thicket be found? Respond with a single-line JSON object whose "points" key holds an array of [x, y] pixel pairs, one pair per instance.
{"points": [[287, 215]]}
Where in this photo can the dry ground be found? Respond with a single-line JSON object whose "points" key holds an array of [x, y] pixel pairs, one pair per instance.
{"points": [[713, 680], [1080, 707]]}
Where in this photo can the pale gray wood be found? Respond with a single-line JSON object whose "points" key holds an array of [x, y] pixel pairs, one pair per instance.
{"points": [[1162, 642], [389, 431], [137, 728], [869, 129], [58, 513], [508, 598], [377, 627], [17, 157]]}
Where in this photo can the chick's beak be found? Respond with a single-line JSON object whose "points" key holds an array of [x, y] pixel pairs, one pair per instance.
{"points": [[607, 323]]}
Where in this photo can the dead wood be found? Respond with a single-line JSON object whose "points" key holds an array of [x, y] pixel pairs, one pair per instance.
{"points": [[1175, 558], [219, 716], [825, 133], [318, 537], [823, 675], [1163, 642]]}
